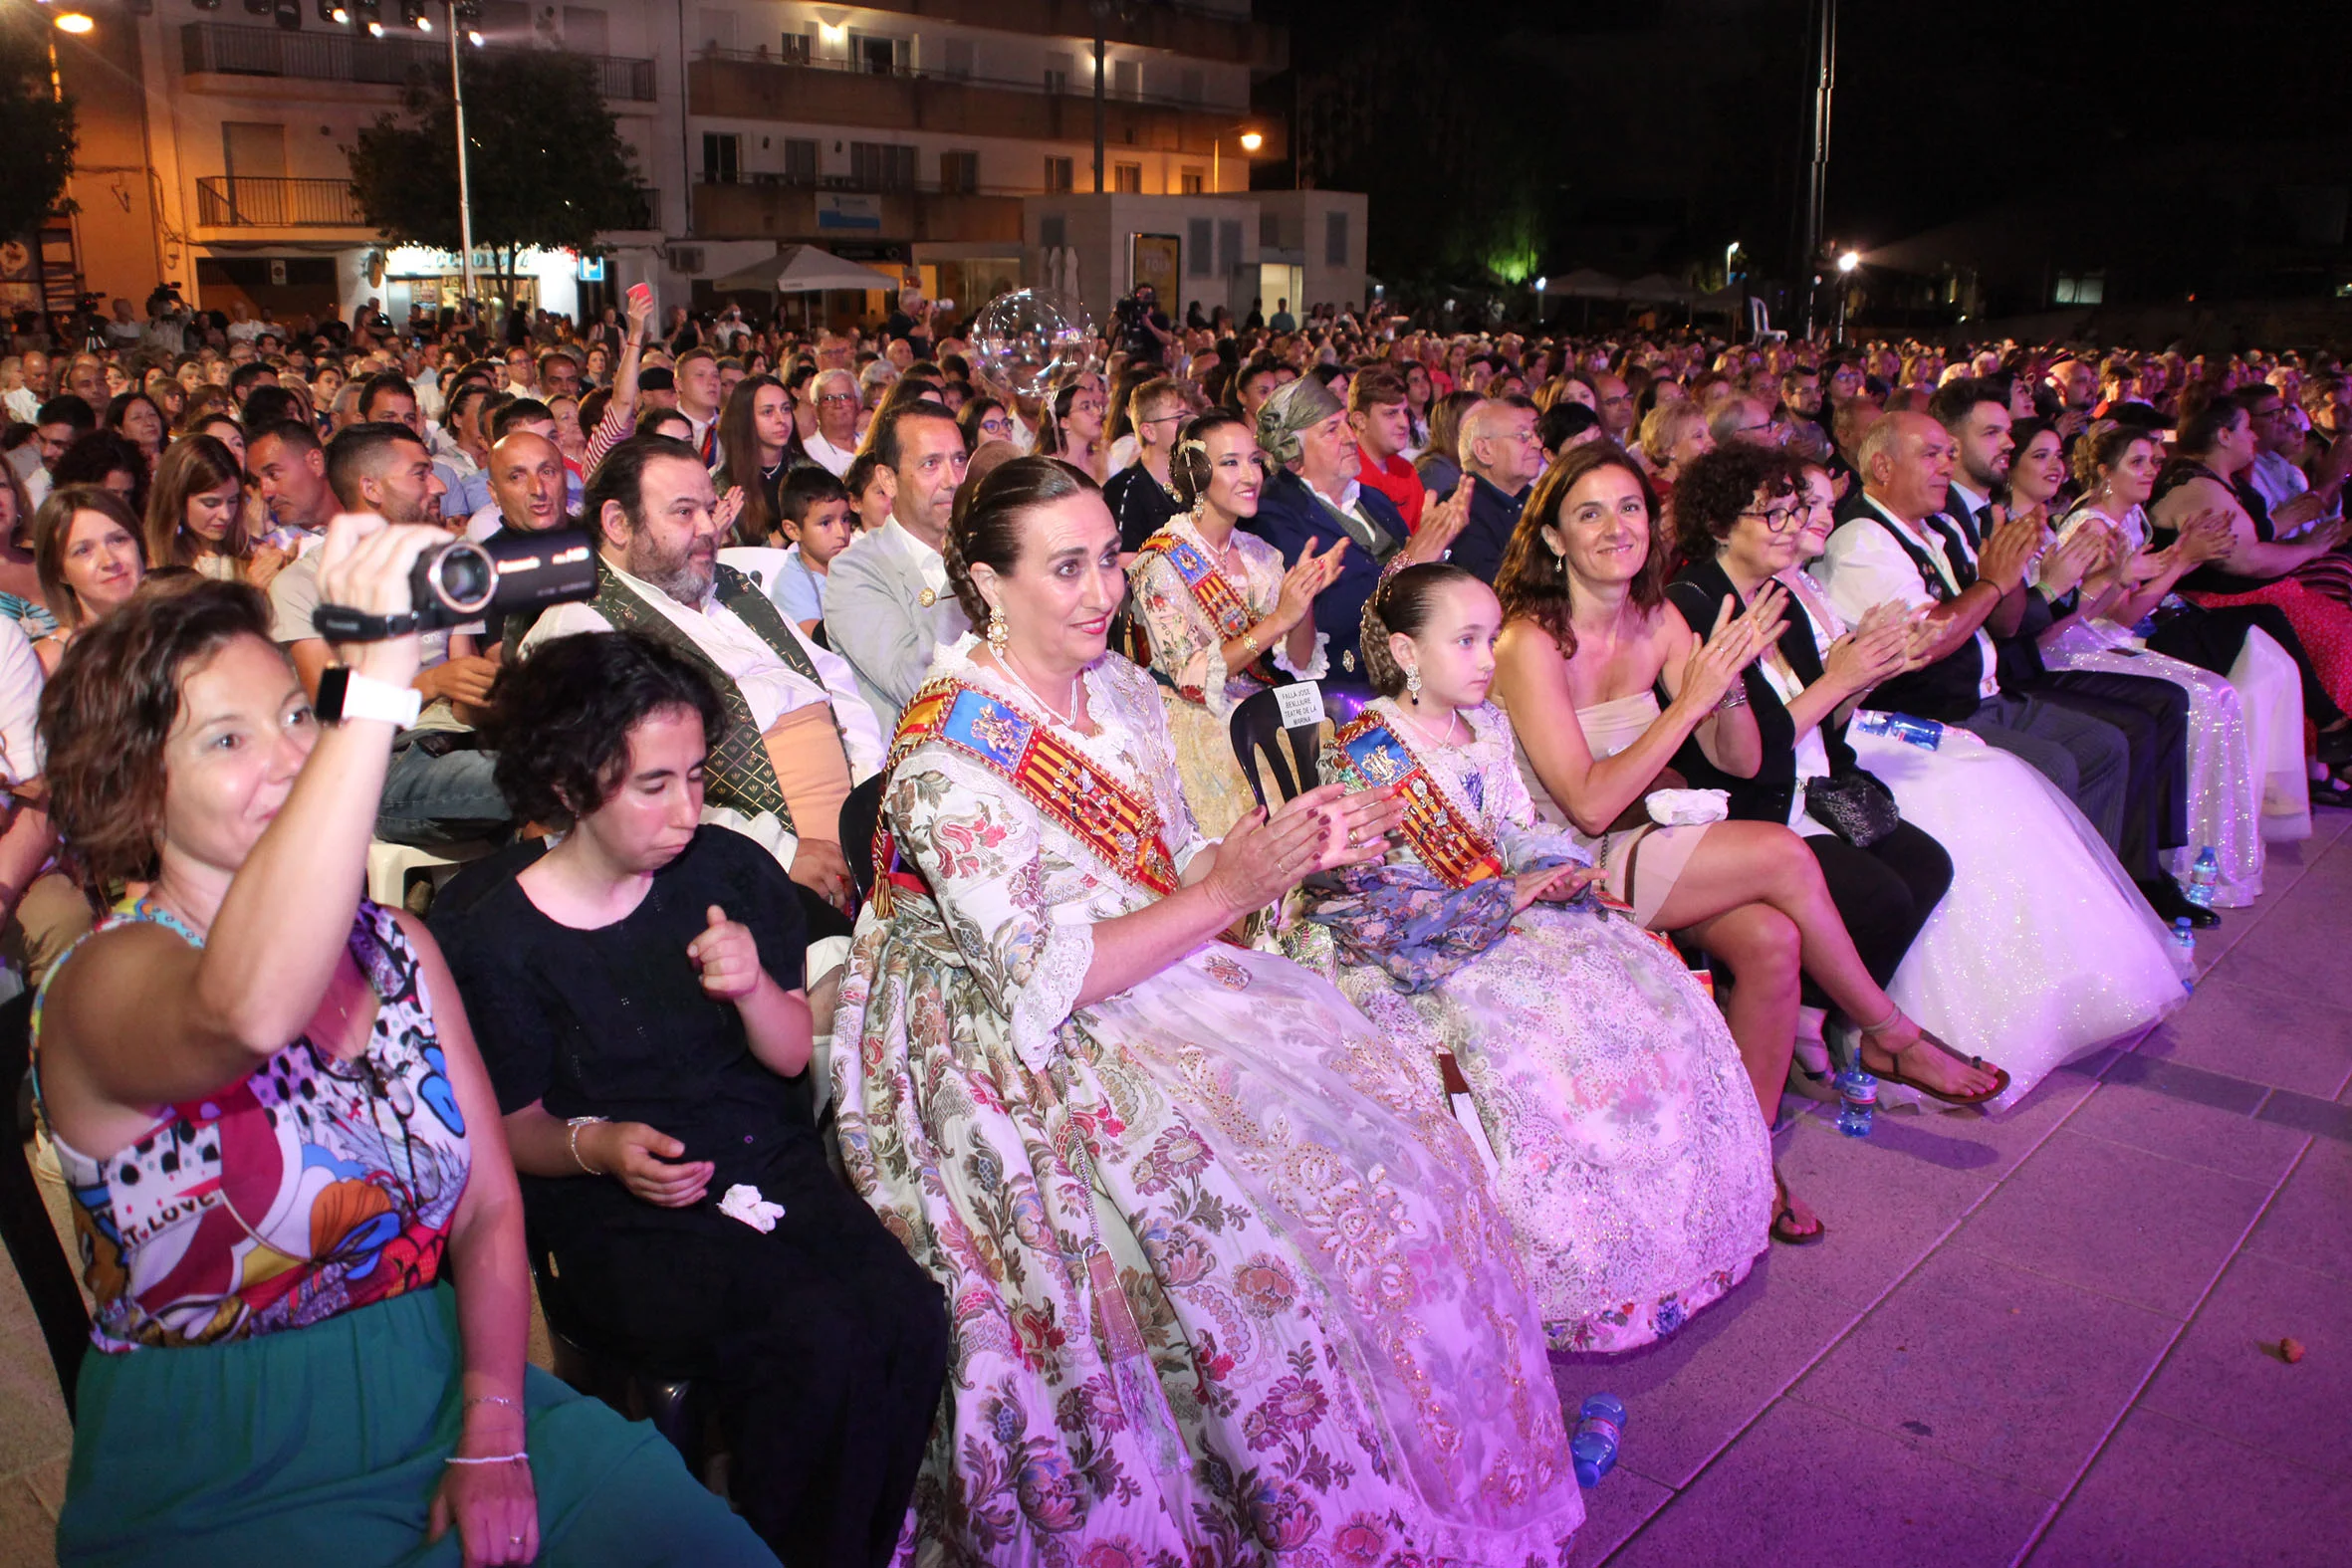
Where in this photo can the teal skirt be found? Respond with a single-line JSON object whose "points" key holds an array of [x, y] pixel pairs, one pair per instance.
{"points": [[323, 1445]]}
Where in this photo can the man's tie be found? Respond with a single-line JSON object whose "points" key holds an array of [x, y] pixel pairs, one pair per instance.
{"points": [[710, 443]]}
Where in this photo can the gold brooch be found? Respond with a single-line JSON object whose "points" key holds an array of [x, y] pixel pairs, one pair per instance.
{"points": [[927, 598]]}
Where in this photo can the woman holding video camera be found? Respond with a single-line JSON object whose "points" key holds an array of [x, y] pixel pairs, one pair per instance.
{"points": [[295, 1207]]}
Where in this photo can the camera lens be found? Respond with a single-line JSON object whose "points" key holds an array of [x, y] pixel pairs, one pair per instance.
{"points": [[463, 576]]}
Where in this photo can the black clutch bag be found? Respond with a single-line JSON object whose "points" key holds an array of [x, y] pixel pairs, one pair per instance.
{"points": [[1854, 805]]}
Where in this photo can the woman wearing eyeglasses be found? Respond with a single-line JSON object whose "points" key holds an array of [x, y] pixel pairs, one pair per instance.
{"points": [[1141, 494]]}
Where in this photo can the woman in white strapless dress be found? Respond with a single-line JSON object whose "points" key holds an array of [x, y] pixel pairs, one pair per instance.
{"points": [[2043, 942], [1589, 640]]}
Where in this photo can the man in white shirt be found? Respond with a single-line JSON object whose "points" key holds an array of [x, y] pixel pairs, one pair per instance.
{"points": [[699, 392], [1887, 547], [888, 604], [833, 445], [439, 788], [243, 329], [800, 735]]}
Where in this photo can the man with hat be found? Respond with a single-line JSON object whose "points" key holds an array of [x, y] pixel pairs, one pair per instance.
{"points": [[1313, 500]]}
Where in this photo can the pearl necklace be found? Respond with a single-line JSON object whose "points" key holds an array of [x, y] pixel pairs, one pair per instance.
{"points": [[1453, 724], [1005, 663]]}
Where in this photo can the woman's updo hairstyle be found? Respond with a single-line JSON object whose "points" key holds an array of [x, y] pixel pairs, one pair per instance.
{"points": [[2104, 445], [108, 712], [986, 524], [1402, 604], [1188, 466]]}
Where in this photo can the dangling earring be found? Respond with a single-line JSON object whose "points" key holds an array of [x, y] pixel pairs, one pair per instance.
{"points": [[1413, 687], [998, 632]]}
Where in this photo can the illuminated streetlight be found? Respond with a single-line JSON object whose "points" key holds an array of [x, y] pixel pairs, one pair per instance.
{"points": [[1252, 142], [1849, 260], [74, 22]]}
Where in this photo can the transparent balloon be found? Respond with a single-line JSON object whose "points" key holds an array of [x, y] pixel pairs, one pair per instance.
{"points": [[1019, 340]]}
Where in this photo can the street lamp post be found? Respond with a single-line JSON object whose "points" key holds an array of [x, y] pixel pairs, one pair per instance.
{"points": [[1250, 141], [465, 192], [1846, 265]]}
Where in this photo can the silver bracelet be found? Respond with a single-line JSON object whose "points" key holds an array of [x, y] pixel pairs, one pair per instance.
{"points": [[576, 1124], [516, 1457], [489, 1399], [1736, 696]]}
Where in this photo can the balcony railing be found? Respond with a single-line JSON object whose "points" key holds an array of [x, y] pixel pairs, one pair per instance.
{"points": [[864, 184], [276, 202], [1078, 82], [355, 56]]}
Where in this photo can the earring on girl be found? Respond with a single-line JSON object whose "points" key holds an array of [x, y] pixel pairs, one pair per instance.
{"points": [[1413, 687], [998, 632]]}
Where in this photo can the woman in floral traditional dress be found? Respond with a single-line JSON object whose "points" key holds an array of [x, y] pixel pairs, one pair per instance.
{"points": [[1631, 1159], [1221, 613], [1226, 1283]]}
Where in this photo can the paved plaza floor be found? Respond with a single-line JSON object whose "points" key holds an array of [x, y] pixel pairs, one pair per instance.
{"points": [[2047, 1339]]}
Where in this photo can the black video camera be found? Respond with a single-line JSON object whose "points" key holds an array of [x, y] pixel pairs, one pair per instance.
{"points": [[463, 581]]}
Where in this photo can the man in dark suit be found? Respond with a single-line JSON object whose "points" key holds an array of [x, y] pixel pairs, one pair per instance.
{"points": [[1501, 454], [1312, 500], [2152, 714]]}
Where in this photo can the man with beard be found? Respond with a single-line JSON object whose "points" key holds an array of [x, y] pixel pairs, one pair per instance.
{"points": [[798, 737]]}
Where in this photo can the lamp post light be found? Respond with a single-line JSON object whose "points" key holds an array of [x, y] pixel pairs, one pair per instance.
{"points": [[1250, 141], [1847, 264]]}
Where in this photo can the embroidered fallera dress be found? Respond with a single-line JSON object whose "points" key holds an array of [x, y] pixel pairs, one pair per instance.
{"points": [[1632, 1162], [1191, 605], [1225, 1281]]}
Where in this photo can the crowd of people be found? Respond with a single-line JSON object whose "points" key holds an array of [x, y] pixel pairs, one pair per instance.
{"points": [[877, 990]]}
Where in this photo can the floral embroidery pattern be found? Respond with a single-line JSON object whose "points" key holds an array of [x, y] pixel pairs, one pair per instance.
{"points": [[1327, 1302]]}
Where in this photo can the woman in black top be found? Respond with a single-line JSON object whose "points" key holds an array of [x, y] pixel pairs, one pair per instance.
{"points": [[636, 991], [1739, 509]]}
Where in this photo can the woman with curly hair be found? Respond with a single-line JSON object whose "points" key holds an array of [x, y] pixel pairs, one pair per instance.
{"points": [[294, 1203], [1629, 1154], [637, 993]]}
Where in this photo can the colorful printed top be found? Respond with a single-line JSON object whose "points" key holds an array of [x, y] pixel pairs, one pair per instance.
{"points": [[312, 1188]]}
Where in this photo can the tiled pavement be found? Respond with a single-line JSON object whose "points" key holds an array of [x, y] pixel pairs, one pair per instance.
{"points": [[2049, 1339]]}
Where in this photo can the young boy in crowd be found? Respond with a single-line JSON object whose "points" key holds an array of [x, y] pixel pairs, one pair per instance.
{"points": [[813, 509]]}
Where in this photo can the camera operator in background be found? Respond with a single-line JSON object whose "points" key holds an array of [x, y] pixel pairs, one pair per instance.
{"points": [[298, 1216], [439, 788], [1143, 330]]}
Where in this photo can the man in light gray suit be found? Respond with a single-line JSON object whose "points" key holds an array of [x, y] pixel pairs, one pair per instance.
{"points": [[887, 603]]}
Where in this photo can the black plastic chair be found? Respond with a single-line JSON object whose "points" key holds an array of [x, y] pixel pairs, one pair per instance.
{"points": [[1257, 726], [640, 1393], [41, 1259], [861, 813]]}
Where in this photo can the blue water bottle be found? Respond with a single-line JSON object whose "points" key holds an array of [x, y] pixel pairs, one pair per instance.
{"points": [[2184, 953], [1600, 1423], [1857, 1098], [1926, 734], [2202, 876]]}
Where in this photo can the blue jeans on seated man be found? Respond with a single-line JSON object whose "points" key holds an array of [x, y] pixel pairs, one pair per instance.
{"points": [[435, 794]]}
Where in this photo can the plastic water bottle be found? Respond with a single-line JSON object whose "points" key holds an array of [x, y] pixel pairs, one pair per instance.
{"points": [[1857, 1095], [2201, 878], [2184, 953], [1600, 1424], [1926, 734]]}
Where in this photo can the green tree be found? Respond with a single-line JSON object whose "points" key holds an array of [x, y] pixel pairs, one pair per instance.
{"points": [[37, 128], [544, 159]]}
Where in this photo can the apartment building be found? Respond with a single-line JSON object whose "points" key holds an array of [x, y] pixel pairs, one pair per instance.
{"points": [[903, 134]]}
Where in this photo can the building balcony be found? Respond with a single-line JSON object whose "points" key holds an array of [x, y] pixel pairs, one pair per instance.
{"points": [[766, 207], [736, 85], [212, 48], [276, 202], [1199, 31]]}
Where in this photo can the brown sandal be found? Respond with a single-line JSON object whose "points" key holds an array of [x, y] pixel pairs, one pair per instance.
{"points": [[1893, 1072], [1785, 1223]]}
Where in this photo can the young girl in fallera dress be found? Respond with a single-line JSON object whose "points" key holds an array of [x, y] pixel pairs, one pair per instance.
{"points": [[1632, 1162]]}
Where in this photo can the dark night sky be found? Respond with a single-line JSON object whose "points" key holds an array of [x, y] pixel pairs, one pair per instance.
{"points": [[1939, 110]]}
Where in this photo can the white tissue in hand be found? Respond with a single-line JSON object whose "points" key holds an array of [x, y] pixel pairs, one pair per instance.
{"points": [[743, 1202], [1689, 808]]}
